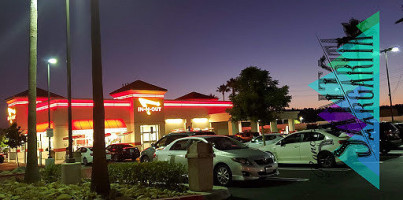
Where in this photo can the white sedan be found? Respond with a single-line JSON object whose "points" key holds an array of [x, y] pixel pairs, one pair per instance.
{"points": [[87, 155], [233, 160], [311, 147]]}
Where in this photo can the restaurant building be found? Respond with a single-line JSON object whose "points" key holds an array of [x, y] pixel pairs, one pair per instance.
{"points": [[137, 114]]}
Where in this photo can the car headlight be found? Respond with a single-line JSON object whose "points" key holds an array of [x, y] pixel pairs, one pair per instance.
{"points": [[271, 155], [243, 161]]}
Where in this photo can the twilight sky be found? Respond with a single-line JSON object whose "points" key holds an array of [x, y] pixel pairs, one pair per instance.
{"points": [[189, 45]]}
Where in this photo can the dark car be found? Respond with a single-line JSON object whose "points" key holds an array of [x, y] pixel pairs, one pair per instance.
{"points": [[237, 138], [123, 151], [147, 155], [389, 137], [400, 127], [247, 136], [1, 158]]}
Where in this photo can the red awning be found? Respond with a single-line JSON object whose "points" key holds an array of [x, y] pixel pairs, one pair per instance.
{"points": [[74, 137]]}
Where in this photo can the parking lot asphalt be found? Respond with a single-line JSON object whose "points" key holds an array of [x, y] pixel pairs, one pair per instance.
{"points": [[307, 182]]}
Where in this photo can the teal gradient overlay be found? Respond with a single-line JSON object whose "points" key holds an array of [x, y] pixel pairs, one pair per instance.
{"points": [[356, 87]]}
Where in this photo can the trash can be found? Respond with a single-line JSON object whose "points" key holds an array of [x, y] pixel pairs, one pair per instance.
{"points": [[200, 166]]}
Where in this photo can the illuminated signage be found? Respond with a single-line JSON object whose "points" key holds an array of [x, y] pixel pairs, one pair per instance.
{"points": [[11, 115], [145, 106]]}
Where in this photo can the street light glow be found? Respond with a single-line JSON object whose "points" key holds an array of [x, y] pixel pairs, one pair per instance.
{"points": [[395, 49], [52, 61]]}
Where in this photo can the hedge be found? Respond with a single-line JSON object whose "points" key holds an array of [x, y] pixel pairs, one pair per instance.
{"points": [[162, 174]]}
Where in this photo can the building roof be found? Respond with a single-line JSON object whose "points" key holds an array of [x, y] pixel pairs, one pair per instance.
{"points": [[138, 85], [197, 96], [39, 93]]}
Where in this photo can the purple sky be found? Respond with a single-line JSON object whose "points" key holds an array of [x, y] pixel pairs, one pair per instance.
{"points": [[188, 45]]}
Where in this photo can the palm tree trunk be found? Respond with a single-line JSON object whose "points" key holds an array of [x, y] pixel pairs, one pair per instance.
{"points": [[32, 171], [223, 97], [99, 178]]}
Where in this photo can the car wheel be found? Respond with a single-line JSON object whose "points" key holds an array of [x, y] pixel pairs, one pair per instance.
{"points": [[222, 175], [326, 160], [85, 161], [145, 159]]}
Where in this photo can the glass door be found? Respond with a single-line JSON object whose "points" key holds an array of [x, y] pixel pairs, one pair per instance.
{"points": [[149, 134]]}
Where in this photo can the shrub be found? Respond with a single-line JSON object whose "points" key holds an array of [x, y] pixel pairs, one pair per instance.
{"points": [[161, 174], [51, 173]]}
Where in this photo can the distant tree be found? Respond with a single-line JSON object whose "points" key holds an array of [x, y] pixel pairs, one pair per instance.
{"points": [[400, 20], [258, 96], [3, 140], [15, 138], [231, 83], [223, 89], [350, 30], [212, 96]]}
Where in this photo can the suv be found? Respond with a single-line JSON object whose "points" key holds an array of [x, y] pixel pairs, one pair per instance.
{"points": [[148, 154], [123, 151], [389, 137]]}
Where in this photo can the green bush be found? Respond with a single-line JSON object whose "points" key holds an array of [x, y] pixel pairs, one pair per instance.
{"points": [[11, 190], [162, 174], [51, 173]]}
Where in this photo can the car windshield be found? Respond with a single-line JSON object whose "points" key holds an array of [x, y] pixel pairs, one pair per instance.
{"points": [[225, 143], [204, 133]]}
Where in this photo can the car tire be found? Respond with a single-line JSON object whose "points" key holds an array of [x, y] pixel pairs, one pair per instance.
{"points": [[326, 160], [145, 159], [85, 161], [222, 175]]}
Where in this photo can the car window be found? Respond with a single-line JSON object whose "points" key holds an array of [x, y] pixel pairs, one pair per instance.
{"points": [[312, 136], [161, 142], [180, 145], [172, 138], [294, 138], [225, 143]]}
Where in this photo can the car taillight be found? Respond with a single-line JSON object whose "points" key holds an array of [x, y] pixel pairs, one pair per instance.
{"points": [[342, 141]]}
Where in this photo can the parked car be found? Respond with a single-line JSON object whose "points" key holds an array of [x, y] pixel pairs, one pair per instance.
{"points": [[147, 155], [123, 151], [233, 160], [2, 158], [239, 139], [400, 127], [87, 155], [247, 136], [257, 142], [389, 137], [310, 146]]}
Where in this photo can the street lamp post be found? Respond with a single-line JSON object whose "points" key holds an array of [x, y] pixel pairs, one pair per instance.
{"points": [[50, 61], [385, 51]]}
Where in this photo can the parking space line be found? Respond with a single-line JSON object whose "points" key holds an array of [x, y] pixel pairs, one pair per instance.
{"points": [[313, 169], [288, 179]]}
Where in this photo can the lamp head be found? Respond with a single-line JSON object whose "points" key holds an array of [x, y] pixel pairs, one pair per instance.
{"points": [[52, 61], [395, 49]]}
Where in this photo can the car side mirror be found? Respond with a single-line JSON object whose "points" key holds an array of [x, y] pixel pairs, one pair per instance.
{"points": [[153, 144]]}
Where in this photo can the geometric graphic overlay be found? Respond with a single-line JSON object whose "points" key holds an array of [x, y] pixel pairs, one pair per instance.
{"points": [[352, 85]]}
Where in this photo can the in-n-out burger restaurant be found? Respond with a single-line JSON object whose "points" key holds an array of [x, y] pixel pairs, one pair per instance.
{"points": [[138, 114]]}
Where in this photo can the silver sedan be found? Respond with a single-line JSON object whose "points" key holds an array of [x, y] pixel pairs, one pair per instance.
{"points": [[233, 160]]}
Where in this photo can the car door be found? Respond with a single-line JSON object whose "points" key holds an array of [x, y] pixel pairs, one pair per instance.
{"points": [[177, 152], [287, 150], [309, 147]]}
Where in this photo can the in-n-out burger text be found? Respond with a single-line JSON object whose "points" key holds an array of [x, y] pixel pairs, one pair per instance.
{"points": [[149, 109]]}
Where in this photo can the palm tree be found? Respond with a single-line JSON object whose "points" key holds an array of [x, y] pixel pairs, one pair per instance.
{"points": [[99, 177], [223, 89], [351, 30], [231, 83], [32, 171]]}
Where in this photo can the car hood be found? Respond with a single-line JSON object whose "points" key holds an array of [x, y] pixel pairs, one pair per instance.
{"points": [[242, 153]]}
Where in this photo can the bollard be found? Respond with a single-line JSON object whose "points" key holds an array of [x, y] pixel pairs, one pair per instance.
{"points": [[200, 167]]}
